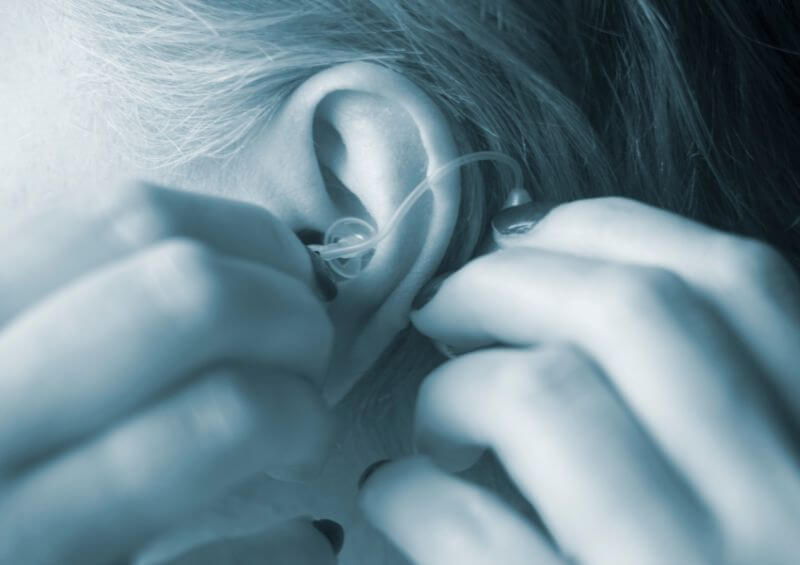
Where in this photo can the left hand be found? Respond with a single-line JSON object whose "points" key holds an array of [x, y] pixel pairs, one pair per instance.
{"points": [[293, 542], [644, 398]]}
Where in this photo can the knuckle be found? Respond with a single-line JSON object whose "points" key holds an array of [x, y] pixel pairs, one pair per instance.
{"points": [[126, 473], [185, 279], [636, 290], [751, 262], [556, 386], [312, 436], [558, 362], [560, 377], [250, 408], [276, 231], [222, 412], [138, 216], [216, 414], [525, 382], [511, 379]]}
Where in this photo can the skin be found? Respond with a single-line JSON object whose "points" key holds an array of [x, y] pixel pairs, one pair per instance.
{"points": [[153, 303], [660, 339], [644, 397]]}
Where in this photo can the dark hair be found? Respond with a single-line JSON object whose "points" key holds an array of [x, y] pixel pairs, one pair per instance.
{"points": [[689, 105], [695, 105]]}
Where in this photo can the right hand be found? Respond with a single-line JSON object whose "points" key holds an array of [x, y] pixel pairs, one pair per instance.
{"points": [[156, 348]]}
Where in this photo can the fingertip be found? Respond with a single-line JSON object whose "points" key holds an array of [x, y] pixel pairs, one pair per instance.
{"points": [[312, 434], [389, 500], [419, 320], [369, 470], [449, 455], [383, 488], [383, 478], [433, 517], [300, 541], [452, 447]]}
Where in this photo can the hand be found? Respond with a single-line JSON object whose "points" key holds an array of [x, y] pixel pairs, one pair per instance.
{"points": [[290, 543], [645, 398], [156, 348]]}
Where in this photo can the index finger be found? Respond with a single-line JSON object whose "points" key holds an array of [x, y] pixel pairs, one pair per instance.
{"points": [[296, 542], [672, 360], [748, 282], [65, 242], [153, 470]]}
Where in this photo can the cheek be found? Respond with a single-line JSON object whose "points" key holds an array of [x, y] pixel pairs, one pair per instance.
{"points": [[52, 136], [45, 160]]}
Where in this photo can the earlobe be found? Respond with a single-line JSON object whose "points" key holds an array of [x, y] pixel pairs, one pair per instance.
{"points": [[354, 140]]}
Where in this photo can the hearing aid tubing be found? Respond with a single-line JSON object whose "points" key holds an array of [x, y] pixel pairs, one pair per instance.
{"points": [[350, 242]]}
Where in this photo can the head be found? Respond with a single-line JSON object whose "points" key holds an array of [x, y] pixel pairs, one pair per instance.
{"points": [[323, 109]]}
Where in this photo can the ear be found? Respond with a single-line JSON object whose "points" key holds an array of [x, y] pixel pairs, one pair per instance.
{"points": [[354, 140]]}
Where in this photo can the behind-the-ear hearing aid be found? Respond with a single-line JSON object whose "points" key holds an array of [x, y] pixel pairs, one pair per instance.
{"points": [[350, 242]]}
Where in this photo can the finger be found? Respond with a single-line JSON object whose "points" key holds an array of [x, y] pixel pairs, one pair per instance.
{"points": [[435, 518], [605, 491], [107, 497], [65, 242], [296, 542], [672, 360], [753, 287], [130, 331]]}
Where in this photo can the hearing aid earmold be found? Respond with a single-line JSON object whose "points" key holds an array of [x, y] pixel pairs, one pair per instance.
{"points": [[350, 242]]}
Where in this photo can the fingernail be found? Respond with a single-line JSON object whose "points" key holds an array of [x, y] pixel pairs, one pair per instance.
{"points": [[428, 291], [516, 197], [520, 219], [370, 470], [333, 531], [326, 288]]}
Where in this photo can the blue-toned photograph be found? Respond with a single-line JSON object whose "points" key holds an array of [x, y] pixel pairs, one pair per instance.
{"points": [[399, 282]]}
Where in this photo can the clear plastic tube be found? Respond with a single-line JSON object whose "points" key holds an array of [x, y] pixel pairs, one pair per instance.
{"points": [[350, 242]]}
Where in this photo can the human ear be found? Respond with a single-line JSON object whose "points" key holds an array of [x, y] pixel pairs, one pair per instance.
{"points": [[354, 140]]}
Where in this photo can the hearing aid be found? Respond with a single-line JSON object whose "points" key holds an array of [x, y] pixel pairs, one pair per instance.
{"points": [[349, 243]]}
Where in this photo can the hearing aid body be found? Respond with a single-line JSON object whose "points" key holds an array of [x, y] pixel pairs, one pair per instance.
{"points": [[350, 242]]}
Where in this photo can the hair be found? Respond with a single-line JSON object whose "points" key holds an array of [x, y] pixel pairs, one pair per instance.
{"points": [[690, 106]]}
